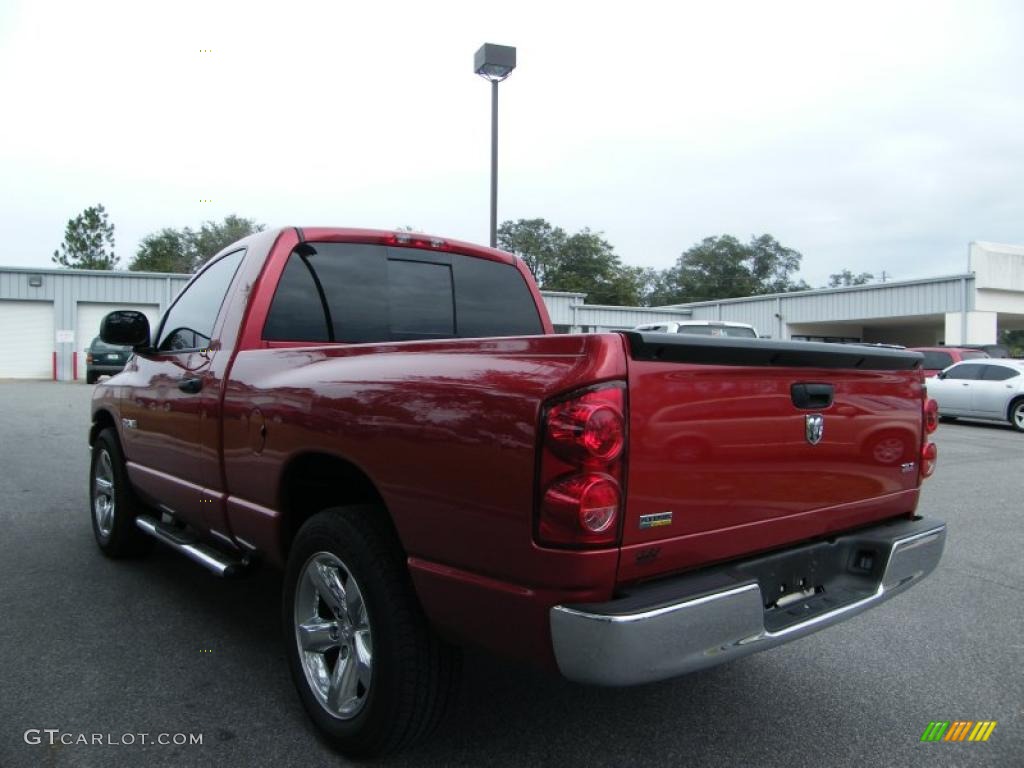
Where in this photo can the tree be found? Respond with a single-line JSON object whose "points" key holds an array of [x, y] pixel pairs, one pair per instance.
{"points": [[536, 242], [584, 262], [774, 266], [1014, 342], [847, 278], [660, 288], [724, 268], [171, 250], [587, 263], [88, 241], [213, 237], [166, 251], [647, 284]]}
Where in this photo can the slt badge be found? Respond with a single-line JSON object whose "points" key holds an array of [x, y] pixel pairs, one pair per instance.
{"points": [[814, 427]]}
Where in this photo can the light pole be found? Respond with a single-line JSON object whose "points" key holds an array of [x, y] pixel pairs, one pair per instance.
{"points": [[495, 63]]}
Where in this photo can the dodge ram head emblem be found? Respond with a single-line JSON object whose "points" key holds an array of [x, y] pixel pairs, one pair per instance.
{"points": [[814, 425]]}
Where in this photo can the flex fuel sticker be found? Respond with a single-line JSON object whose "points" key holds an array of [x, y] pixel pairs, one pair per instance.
{"points": [[655, 520]]}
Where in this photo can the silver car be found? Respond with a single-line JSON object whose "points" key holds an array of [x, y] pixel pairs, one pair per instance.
{"points": [[993, 389]]}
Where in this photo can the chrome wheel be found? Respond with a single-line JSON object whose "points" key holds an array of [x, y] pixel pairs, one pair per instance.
{"points": [[1018, 416], [333, 635], [103, 505]]}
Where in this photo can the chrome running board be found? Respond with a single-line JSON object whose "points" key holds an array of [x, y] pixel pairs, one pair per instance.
{"points": [[217, 562]]}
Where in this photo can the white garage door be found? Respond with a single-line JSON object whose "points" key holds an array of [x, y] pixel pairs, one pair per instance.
{"points": [[89, 317], [27, 340]]}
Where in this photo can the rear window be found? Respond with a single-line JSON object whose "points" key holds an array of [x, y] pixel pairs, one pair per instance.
{"points": [[999, 373], [420, 299], [936, 361], [371, 293], [718, 330], [102, 346], [973, 354]]}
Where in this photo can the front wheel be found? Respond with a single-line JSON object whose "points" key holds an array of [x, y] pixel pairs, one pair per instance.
{"points": [[368, 668], [1017, 415], [113, 502]]}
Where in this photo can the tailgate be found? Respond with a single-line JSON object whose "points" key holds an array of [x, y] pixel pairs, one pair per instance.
{"points": [[739, 446]]}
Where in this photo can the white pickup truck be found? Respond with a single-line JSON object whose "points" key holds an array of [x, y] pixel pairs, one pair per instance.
{"points": [[703, 328]]}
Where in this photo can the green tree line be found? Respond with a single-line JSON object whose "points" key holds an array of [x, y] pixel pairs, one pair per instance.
{"points": [[719, 267], [89, 243]]}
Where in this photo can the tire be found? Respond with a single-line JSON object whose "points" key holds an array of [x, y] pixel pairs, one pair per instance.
{"points": [[1017, 414], [398, 676], [90, 377], [112, 501]]}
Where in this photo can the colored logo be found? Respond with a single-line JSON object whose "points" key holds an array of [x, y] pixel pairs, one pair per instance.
{"points": [[655, 520], [959, 730]]}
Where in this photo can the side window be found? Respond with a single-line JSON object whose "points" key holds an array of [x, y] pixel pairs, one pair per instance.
{"points": [[965, 371], [299, 311], [999, 373], [189, 322]]}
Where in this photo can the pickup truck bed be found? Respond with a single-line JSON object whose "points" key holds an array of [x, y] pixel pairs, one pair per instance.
{"points": [[620, 507]]}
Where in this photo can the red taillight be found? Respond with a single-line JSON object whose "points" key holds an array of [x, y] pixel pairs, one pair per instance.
{"points": [[581, 469], [586, 431], [581, 509], [931, 416], [929, 454]]}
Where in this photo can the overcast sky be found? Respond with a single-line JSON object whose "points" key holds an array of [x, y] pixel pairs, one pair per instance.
{"points": [[869, 136]]}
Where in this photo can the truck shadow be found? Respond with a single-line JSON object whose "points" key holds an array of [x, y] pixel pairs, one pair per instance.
{"points": [[504, 712]]}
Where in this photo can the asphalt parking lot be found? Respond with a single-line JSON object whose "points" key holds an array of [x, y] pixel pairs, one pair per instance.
{"points": [[159, 646]]}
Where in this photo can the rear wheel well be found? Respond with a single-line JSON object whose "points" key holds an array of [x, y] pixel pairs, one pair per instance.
{"points": [[313, 482], [1012, 405]]}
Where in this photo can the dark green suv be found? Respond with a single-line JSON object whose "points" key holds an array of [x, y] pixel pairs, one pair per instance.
{"points": [[104, 359]]}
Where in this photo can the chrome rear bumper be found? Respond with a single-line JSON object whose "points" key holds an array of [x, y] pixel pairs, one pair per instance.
{"points": [[692, 622]]}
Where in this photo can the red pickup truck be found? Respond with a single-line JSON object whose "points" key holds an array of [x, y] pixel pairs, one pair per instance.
{"points": [[391, 419]]}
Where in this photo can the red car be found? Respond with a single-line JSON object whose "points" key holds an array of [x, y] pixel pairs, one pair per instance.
{"points": [[391, 420], [940, 358]]}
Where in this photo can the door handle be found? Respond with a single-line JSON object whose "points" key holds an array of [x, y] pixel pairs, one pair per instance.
{"points": [[811, 396], [191, 386]]}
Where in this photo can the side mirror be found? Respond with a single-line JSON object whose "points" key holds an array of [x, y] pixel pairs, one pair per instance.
{"points": [[940, 375], [125, 328]]}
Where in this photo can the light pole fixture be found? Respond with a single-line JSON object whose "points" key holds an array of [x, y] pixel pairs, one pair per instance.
{"points": [[495, 63]]}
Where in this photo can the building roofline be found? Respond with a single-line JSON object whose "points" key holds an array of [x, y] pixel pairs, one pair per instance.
{"points": [[563, 293], [818, 291], [988, 245], [94, 272], [653, 310]]}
